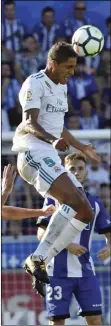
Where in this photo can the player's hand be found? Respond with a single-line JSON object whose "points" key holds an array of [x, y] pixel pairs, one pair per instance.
{"points": [[48, 210], [89, 151], [61, 145], [9, 175], [76, 249], [104, 253]]}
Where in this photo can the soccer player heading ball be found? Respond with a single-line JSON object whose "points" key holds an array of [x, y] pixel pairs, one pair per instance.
{"points": [[43, 98]]}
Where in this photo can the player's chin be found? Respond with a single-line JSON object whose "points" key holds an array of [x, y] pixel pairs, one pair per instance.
{"points": [[64, 80]]}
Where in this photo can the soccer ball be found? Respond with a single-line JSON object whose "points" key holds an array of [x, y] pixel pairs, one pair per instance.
{"points": [[88, 41]]}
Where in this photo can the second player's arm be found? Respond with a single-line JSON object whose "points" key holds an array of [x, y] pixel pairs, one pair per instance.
{"points": [[19, 213], [105, 252], [9, 175]]}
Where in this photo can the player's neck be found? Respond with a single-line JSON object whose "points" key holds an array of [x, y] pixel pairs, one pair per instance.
{"points": [[51, 75]]}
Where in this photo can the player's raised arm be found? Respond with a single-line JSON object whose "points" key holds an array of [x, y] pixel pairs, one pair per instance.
{"points": [[9, 175], [88, 150]]}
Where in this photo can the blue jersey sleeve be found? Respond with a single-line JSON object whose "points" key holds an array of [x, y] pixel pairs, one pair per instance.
{"points": [[103, 222], [42, 220]]}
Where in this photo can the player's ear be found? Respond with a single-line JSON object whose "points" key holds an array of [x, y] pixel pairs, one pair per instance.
{"points": [[86, 174], [54, 64]]}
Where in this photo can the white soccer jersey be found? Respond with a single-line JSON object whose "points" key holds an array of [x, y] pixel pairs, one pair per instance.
{"points": [[40, 92]]}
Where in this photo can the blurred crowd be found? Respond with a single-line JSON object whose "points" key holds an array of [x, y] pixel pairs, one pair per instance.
{"points": [[89, 98]]}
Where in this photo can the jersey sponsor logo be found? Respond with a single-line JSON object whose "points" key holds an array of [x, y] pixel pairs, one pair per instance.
{"points": [[59, 102], [52, 109], [29, 96]]}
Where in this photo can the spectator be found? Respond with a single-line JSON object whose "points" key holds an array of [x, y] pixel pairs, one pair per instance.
{"points": [[105, 193], [30, 60], [10, 88], [92, 64], [105, 64], [73, 122], [15, 229], [15, 115], [96, 175], [71, 25], [108, 36], [5, 122], [47, 30], [89, 118], [82, 85], [12, 30], [105, 61], [79, 19], [106, 95]]}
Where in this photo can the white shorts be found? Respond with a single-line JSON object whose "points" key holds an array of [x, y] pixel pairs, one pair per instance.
{"points": [[41, 169]]}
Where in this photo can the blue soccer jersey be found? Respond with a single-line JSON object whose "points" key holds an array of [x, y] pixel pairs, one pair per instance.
{"points": [[73, 266], [71, 275]]}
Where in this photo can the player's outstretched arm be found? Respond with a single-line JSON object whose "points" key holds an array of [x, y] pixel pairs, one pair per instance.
{"points": [[18, 213], [105, 252], [9, 175], [88, 150]]}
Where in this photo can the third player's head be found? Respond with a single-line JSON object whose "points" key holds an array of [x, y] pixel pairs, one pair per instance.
{"points": [[76, 164], [61, 62]]}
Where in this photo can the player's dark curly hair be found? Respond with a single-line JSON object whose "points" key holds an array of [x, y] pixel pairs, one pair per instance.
{"points": [[47, 9], [61, 51], [9, 2]]}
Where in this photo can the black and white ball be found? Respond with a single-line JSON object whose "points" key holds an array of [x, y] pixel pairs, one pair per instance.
{"points": [[88, 41]]}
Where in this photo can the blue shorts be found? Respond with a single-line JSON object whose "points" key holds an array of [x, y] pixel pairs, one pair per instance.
{"points": [[60, 291]]}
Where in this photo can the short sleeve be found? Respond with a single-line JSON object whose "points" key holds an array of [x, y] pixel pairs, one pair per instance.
{"points": [[31, 94], [103, 223]]}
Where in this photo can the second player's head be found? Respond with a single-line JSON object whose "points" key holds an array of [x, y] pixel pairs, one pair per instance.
{"points": [[76, 164], [62, 61]]}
